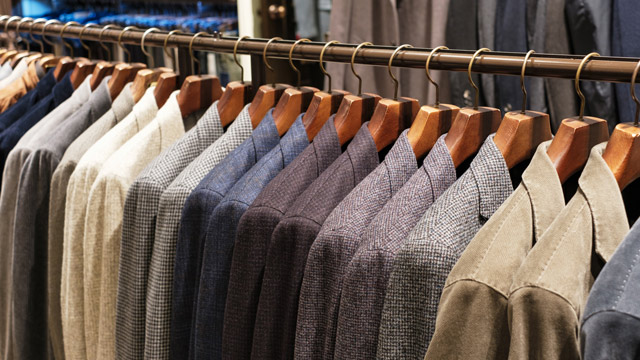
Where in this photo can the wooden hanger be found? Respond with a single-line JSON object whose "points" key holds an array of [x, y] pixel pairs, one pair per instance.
{"points": [[100, 71], [26, 54], [46, 61], [623, 149], [294, 101], [12, 54], [569, 150], [82, 69], [471, 126], [123, 73], [64, 65], [167, 84], [392, 116], [236, 94], [145, 77], [521, 132], [267, 96]]}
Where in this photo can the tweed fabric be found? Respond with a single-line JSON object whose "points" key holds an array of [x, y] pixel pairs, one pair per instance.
{"points": [[25, 142], [366, 276], [336, 244], [78, 189], [160, 282], [19, 87], [611, 321], [472, 317], [421, 266], [30, 99], [122, 105], [254, 235], [550, 289], [138, 229], [221, 234], [275, 328]]}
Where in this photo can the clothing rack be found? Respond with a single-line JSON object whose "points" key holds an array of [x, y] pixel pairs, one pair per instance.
{"points": [[604, 68]]}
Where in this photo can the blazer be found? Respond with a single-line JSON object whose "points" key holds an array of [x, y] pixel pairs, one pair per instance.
{"points": [[121, 106], [366, 276], [29, 100], [221, 234], [611, 321], [20, 86], [254, 234], [78, 189], [23, 143], [161, 268], [30, 242], [15, 74], [432, 248], [138, 227], [336, 244], [550, 289], [291, 240], [103, 222], [472, 317], [5, 70]]}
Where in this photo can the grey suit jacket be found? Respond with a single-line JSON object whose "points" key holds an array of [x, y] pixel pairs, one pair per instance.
{"points": [[138, 229], [421, 266]]}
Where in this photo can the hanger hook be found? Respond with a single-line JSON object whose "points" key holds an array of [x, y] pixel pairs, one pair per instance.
{"points": [[64, 27], [105, 47], [291, 58], [39, 42], [633, 92], [426, 69], [235, 57], [324, 71], [475, 87], [193, 58], [353, 69], [393, 78], [6, 29], [18, 32], [524, 89], [264, 55], [44, 37], [170, 54], [144, 51], [85, 46], [124, 48], [577, 83]]}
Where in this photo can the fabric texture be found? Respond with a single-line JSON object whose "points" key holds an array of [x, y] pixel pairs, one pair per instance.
{"points": [[160, 284], [366, 276], [121, 106], [15, 74], [138, 226], [19, 87], [611, 321], [290, 243], [29, 100], [17, 144], [254, 235], [336, 243], [421, 266], [472, 317], [550, 289]]}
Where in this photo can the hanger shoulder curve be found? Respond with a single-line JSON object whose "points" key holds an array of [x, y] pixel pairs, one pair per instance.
{"points": [[622, 153], [519, 135], [430, 123], [235, 96], [322, 106], [352, 113], [292, 103], [469, 130], [390, 118]]}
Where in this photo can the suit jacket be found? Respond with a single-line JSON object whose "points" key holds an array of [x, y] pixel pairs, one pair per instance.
{"points": [[25, 142], [254, 235], [611, 319], [29, 100], [624, 26], [550, 289], [103, 223], [422, 264], [461, 33], [160, 280], [221, 235], [139, 223], [15, 74], [291, 240], [80, 182], [366, 276], [472, 317], [19, 87], [337, 242]]}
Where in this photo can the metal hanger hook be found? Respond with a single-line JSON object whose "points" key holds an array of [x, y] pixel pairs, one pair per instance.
{"points": [[124, 48], [291, 58], [235, 57], [577, 83], [170, 54], [68, 45], [524, 89], [144, 51], [39, 42], [264, 55], [193, 58], [85, 46], [426, 69], [18, 32], [475, 87], [324, 71], [44, 37], [393, 78], [105, 47], [353, 69], [633, 92], [6, 29]]}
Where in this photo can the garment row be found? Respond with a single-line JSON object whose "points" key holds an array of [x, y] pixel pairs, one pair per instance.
{"points": [[132, 231]]}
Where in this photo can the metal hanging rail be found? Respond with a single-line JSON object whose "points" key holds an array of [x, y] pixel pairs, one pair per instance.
{"points": [[609, 69]]}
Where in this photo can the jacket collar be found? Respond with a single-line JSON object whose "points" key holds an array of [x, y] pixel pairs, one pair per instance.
{"points": [[326, 144], [265, 136], [492, 177]]}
